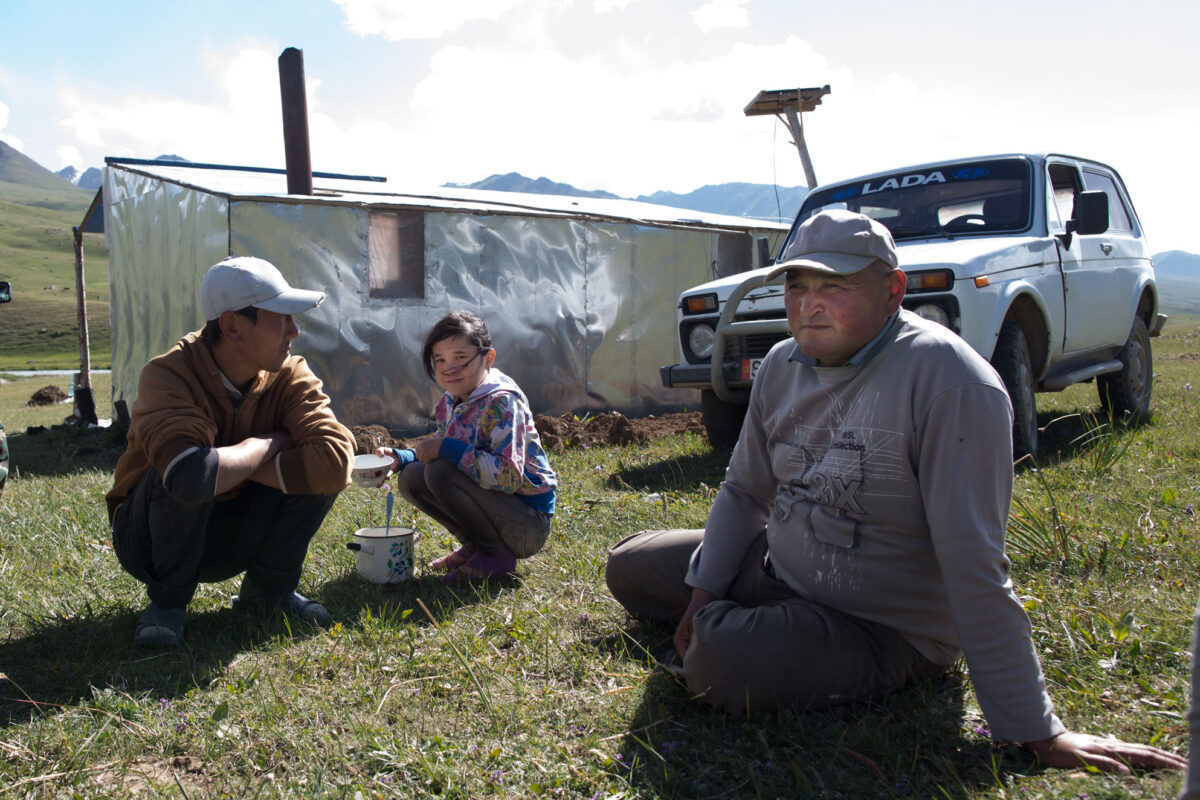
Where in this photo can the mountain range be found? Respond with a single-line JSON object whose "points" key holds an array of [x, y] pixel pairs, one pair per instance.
{"points": [[757, 200], [88, 179]]}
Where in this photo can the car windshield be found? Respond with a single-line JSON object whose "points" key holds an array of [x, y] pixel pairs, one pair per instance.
{"points": [[948, 200]]}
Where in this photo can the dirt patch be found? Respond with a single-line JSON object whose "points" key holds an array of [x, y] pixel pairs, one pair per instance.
{"points": [[47, 396], [154, 777], [559, 433]]}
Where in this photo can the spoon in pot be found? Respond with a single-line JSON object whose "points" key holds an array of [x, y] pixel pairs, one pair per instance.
{"points": [[388, 523]]}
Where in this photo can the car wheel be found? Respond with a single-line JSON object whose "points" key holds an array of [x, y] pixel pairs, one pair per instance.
{"points": [[722, 421], [1012, 360], [1126, 394]]}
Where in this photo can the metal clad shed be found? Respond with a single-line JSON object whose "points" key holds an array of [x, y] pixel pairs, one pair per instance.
{"points": [[578, 293]]}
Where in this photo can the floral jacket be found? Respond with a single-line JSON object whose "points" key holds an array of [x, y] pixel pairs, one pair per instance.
{"points": [[491, 437]]}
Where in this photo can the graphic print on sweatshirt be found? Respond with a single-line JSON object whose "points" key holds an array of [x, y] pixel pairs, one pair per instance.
{"points": [[838, 488]]}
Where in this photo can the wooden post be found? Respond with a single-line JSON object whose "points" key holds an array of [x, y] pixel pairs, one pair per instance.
{"points": [[788, 106], [85, 403], [85, 359], [797, 129]]}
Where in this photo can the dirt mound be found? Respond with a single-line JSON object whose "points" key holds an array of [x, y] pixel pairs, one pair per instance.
{"points": [[613, 428], [47, 396], [369, 437], [559, 433]]}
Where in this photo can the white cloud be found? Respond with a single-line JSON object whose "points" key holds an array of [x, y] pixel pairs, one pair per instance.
{"points": [[721, 14], [605, 6], [413, 19], [68, 156], [600, 122], [8, 138], [241, 125]]}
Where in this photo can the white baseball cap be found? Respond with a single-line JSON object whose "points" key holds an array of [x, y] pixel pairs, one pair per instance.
{"points": [[241, 281], [838, 241]]}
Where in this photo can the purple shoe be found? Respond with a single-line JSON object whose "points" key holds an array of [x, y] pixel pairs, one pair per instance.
{"points": [[453, 560], [481, 566]]}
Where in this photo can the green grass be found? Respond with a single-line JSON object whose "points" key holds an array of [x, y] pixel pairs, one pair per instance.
{"points": [[546, 687], [37, 256]]}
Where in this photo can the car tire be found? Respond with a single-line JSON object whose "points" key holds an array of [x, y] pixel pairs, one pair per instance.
{"points": [[1125, 395], [722, 421], [1012, 360]]}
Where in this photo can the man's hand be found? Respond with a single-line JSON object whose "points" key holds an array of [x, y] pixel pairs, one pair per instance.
{"points": [[683, 632], [1108, 754], [250, 459], [427, 449]]}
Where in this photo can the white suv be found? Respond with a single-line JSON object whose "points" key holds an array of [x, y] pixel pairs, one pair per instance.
{"points": [[1037, 261]]}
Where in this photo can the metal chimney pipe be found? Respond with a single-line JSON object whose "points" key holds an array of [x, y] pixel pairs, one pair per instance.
{"points": [[295, 121]]}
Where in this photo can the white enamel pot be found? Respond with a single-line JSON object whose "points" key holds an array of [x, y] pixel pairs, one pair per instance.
{"points": [[383, 555]]}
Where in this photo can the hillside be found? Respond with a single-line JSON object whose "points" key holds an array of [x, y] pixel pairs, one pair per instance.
{"points": [[38, 210], [756, 200], [1178, 276], [24, 181]]}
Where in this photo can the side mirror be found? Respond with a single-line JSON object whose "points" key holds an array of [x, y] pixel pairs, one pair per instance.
{"points": [[5, 292], [1091, 213], [764, 252]]}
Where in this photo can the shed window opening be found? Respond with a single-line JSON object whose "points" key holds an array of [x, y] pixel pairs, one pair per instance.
{"points": [[396, 252]]}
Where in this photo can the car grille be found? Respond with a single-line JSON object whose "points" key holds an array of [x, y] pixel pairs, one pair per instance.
{"points": [[754, 346]]}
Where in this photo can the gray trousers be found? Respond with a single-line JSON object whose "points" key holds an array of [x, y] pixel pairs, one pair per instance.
{"points": [[172, 546], [761, 647], [489, 520]]}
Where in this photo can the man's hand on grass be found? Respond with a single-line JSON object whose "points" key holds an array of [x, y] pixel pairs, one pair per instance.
{"points": [[683, 632], [1104, 753]]}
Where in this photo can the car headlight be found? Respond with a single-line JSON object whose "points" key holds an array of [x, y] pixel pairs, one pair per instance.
{"points": [[934, 313], [700, 340]]}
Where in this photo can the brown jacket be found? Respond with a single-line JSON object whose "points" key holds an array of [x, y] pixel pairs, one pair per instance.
{"points": [[182, 403]]}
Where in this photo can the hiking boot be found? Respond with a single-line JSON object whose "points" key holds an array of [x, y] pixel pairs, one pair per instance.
{"points": [[160, 627]]}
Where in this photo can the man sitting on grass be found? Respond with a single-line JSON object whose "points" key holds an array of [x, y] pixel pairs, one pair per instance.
{"points": [[857, 543], [233, 456]]}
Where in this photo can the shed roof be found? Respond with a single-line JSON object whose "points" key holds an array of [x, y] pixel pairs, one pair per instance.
{"points": [[250, 184]]}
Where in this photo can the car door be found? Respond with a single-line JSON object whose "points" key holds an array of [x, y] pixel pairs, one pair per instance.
{"points": [[1096, 269]]}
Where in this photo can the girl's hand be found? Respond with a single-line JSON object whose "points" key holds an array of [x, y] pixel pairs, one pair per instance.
{"points": [[427, 449], [387, 452]]}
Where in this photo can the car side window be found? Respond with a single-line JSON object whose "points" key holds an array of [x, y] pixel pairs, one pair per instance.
{"points": [[1118, 215], [1064, 179]]}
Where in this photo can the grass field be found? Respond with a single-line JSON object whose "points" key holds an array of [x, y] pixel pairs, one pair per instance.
{"points": [[545, 687], [37, 256]]}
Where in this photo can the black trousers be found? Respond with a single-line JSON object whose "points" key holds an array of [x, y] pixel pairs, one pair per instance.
{"points": [[172, 547]]}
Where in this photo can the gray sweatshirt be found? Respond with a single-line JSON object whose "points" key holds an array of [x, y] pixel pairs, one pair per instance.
{"points": [[884, 489]]}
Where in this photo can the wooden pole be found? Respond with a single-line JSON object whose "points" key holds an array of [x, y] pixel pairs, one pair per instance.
{"points": [[85, 358], [85, 403], [797, 128]]}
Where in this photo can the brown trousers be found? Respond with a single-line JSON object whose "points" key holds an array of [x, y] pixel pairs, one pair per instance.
{"points": [[488, 519], [761, 647]]}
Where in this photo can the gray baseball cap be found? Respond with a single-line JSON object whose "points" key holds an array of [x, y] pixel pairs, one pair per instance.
{"points": [[838, 241], [241, 281]]}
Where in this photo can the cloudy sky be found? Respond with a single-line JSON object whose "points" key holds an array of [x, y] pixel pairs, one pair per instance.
{"points": [[630, 96]]}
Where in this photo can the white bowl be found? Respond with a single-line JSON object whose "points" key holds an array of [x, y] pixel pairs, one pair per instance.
{"points": [[370, 470]]}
